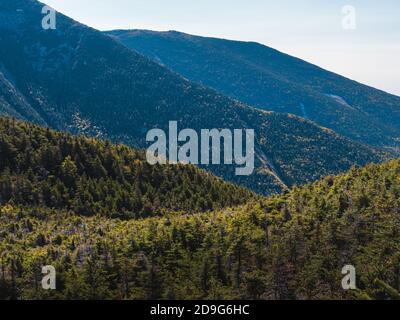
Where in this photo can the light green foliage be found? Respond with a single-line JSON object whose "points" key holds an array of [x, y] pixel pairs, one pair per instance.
{"points": [[285, 247]]}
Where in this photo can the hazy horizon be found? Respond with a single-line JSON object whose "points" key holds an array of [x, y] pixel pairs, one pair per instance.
{"points": [[311, 30]]}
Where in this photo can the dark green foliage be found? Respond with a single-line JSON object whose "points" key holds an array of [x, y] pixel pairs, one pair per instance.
{"points": [[115, 227], [43, 168], [286, 247], [388, 290], [80, 80]]}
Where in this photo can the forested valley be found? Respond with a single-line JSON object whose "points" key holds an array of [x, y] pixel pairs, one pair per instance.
{"points": [[116, 228]]}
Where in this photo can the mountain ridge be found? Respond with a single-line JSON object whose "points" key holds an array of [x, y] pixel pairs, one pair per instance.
{"points": [[77, 79], [269, 79]]}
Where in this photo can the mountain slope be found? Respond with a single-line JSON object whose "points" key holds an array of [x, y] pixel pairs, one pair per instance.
{"points": [[13, 103], [285, 247], [268, 79], [42, 168], [77, 79]]}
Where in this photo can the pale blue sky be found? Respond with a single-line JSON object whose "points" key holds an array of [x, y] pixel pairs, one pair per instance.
{"points": [[308, 29]]}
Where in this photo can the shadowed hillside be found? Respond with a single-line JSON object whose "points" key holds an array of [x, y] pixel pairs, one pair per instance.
{"points": [[77, 79], [268, 79]]}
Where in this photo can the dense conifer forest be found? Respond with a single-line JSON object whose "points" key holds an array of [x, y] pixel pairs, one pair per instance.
{"points": [[73, 202], [42, 168], [80, 80], [324, 195]]}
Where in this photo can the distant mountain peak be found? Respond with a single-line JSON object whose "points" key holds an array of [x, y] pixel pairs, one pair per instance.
{"points": [[78, 79], [268, 79]]}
